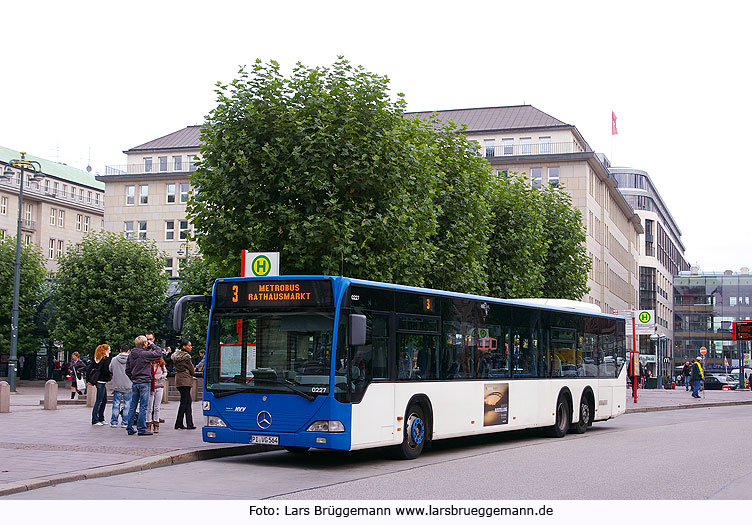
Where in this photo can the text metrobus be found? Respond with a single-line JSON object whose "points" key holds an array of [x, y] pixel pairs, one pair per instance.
{"points": [[341, 363]]}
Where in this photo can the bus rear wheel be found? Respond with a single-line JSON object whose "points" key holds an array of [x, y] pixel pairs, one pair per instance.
{"points": [[562, 422], [414, 436], [585, 416]]}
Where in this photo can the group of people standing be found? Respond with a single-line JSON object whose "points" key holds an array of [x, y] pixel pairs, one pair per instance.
{"points": [[138, 377], [693, 375]]}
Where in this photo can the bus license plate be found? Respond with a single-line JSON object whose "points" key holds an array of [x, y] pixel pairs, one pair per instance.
{"points": [[265, 440]]}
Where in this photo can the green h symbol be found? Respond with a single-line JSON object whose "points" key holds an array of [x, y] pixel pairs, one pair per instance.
{"points": [[261, 266]]}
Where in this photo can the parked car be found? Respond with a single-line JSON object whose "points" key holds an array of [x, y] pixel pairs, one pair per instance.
{"points": [[718, 381]]}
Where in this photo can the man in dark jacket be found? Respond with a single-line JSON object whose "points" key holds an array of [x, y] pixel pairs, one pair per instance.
{"points": [[697, 377], [138, 369]]}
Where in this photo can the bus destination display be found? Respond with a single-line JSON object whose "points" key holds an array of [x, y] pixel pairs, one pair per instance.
{"points": [[266, 294], [742, 330]]}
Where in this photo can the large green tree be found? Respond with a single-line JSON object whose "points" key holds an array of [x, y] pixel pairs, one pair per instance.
{"points": [[320, 166], [197, 278], [537, 245], [108, 289], [31, 293]]}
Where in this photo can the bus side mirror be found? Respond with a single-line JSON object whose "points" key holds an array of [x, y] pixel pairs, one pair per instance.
{"points": [[357, 329], [178, 313]]}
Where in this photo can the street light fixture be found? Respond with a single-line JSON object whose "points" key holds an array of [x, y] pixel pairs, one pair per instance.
{"points": [[36, 175], [180, 249]]}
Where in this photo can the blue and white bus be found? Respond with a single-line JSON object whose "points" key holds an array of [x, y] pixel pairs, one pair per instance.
{"points": [[341, 363]]}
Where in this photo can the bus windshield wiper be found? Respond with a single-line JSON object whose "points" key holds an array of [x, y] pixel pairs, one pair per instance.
{"points": [[309, 397]]}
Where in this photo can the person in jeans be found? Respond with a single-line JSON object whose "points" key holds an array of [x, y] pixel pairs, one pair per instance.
{"points": [[121, 386], [184, 381], [98, 374], [687, 374], [138, 369], [697, 377], [158, 376]]}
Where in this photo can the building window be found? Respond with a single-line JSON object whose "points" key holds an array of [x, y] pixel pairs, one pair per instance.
{"points": [[170, 193], [192, 162], [130, 195], [2, 234], [53, 216], [169, 231], [60, 248], [141, 230], [73, 193], [508, 145], [147, 164], [96, 195], [143, 192], [54, 188], [27, 240], [4, 206], [490, 146], [88, 197], [86, 224], [52, 249], [162, 163], [177, 163], [79, 221], [81, 195], [183, 230], [545, 144], [61, 218], [553, 177], [65, 190], [183, 192], [47, 186], [29, 212], [525, 144], [168, 266], [129, 230], [536, 174]]}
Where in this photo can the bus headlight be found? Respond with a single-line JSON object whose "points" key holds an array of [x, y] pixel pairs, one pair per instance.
{"points": [[326, 426], [214, 421]]}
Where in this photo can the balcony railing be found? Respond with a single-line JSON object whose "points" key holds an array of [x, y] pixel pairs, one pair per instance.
{"points": [[37, 190], [546, 148], [29, 226], [149, 169]]}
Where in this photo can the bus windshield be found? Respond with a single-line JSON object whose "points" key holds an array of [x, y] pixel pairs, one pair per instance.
{"points": [[280, 352]]}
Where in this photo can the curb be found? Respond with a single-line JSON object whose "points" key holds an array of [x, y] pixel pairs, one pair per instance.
{"points": [[682, 407], [161, 460]]}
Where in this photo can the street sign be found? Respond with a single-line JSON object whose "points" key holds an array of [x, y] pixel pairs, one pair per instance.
{"points": [[259, 264], [645, 321], [703, 350]]}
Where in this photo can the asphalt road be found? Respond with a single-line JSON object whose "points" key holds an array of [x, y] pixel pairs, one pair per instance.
{"points": [[640, 456]]}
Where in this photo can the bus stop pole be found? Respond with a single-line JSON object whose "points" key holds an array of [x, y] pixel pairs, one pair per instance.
{"points": [[636, 360]]}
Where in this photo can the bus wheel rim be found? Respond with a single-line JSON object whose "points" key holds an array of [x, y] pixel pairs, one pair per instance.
{"points": [[417, 431]]}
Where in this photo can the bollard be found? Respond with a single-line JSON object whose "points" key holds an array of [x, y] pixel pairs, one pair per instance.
{"points": [[91, 395], [4, 397], [50, 395]]}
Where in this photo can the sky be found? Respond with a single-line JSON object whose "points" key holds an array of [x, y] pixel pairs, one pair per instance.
{"points": [[83, 81]]}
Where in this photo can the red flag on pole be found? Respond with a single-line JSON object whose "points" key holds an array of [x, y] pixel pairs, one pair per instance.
{"points": [[613, 124]]}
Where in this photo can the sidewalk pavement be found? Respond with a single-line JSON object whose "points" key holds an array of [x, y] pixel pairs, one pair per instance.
{"points": [[40, 448]]}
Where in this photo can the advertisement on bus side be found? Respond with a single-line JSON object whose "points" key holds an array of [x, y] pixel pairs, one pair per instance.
{"points": [[495, 404]]}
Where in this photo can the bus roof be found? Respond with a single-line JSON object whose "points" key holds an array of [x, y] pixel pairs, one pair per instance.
{"points": [[560, 305]]}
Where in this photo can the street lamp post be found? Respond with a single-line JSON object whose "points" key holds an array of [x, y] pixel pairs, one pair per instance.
{"points": [[180, 249], [36, 174]]}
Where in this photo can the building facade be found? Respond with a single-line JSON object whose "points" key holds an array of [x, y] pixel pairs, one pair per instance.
{"points": [[661, 259], [57, 211], [705, 306], [525, 141], [146, 198]]}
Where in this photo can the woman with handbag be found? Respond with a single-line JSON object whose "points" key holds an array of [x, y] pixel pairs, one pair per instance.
{"points": [[99, 374], [184, 381], [77, 370]]}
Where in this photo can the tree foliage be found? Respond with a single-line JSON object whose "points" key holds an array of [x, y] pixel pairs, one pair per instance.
{"points": [[197, 278], [537, 244], [323, 167], [31, 293], [108, 289]]}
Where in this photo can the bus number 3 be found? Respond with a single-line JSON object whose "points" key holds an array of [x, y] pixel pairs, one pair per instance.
{"points": [[234, 293]]}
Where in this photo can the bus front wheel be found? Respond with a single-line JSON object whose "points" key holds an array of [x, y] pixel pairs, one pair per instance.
{"points": [[563, 418], [414, 436]]}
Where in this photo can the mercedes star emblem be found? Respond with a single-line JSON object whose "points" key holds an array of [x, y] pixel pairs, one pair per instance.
{"points": [[264, 419]]}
